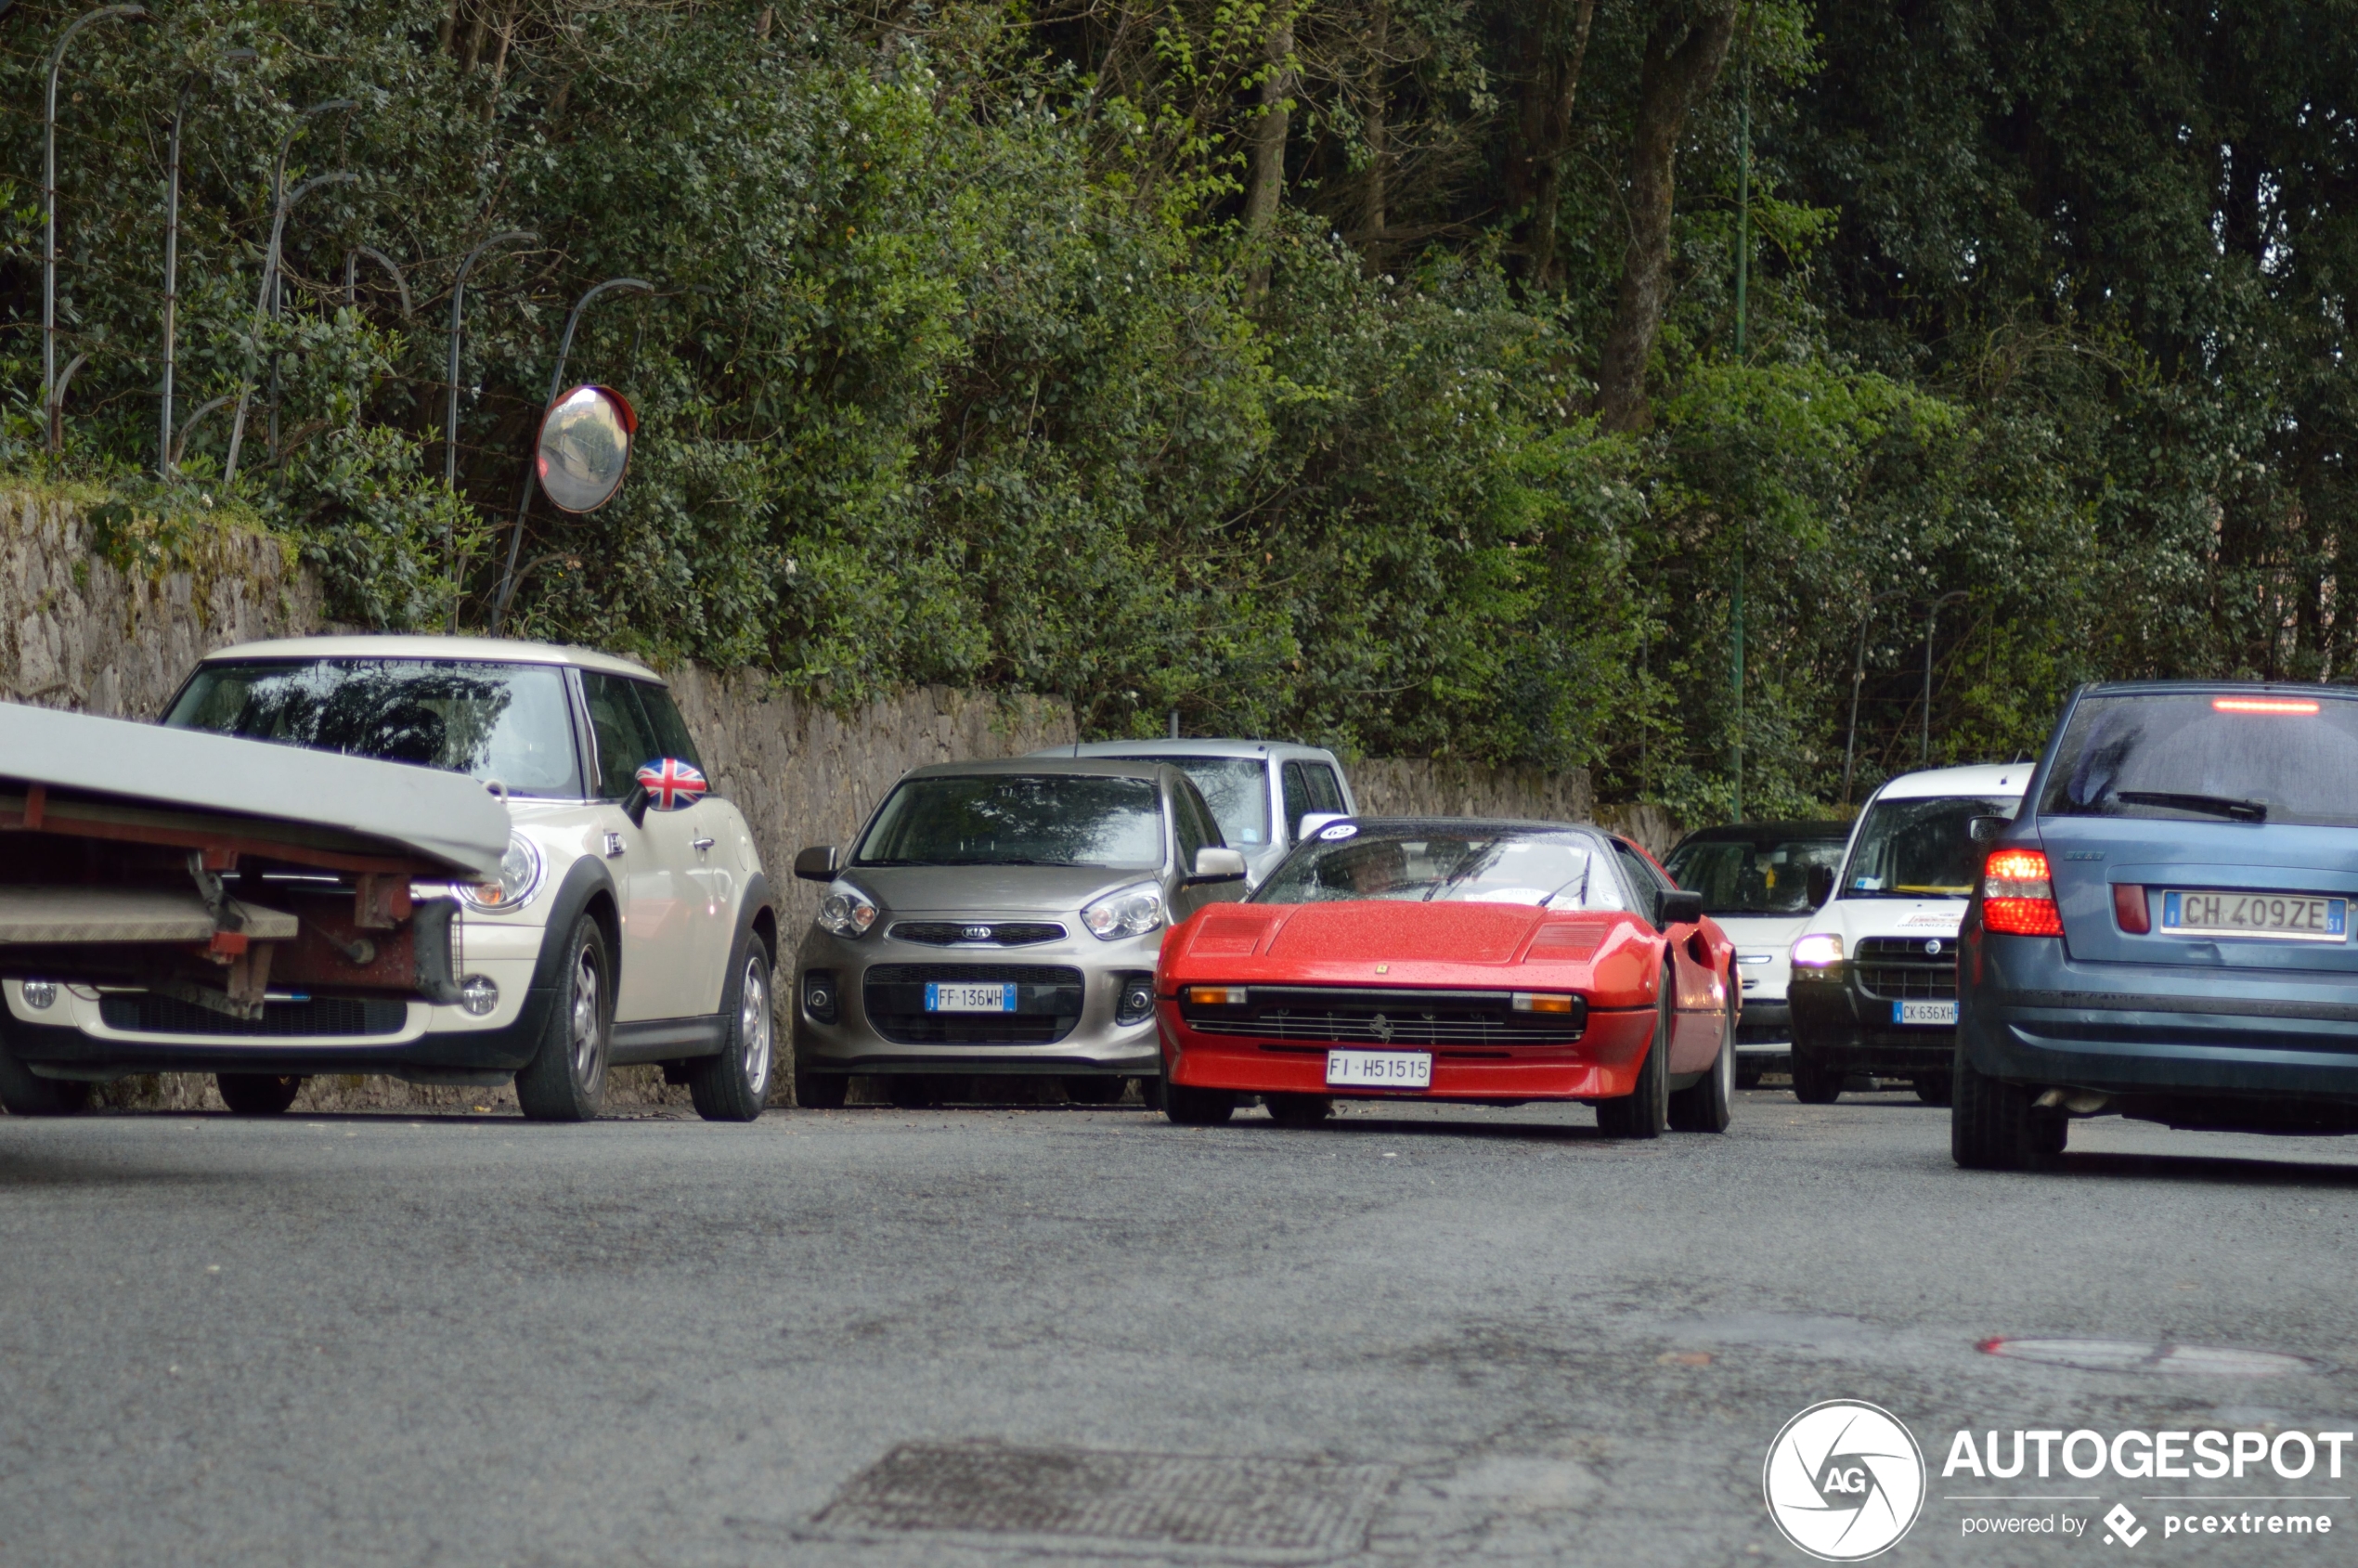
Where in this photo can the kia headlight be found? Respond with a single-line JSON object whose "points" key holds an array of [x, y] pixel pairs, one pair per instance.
{"points": [[846, 912], [1819, 949], [1127, 911], [520, 872]]}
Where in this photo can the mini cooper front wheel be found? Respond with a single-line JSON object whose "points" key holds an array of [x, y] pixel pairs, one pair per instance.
{"points": [[565, 1081], [734, 1085]]}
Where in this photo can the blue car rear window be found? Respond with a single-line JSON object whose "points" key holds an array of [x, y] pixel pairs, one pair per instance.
{"points": [[2247, 755]]}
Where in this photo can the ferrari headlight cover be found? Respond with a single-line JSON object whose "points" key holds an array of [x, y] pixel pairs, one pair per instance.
{"points": [[1125, 912], [520, 874], [846, 912]]}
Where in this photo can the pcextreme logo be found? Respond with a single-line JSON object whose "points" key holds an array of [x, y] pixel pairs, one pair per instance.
{"points": [[1844, 1481]]}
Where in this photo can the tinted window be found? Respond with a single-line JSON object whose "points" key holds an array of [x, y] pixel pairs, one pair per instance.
{"points": [[1019, 819], [1558, 870], [1194, 825], [1919, 849], [2208, 756], [670, 730], [1753, 876], [505, 722], [1236, 788], [1643, 880], [625, 736], [1299, 800], [1324, 790]]}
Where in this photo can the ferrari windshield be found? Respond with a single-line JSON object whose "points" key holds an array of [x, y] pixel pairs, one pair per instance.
{"points": [[1019, 819], [505, 722], [1425, 865], [1919, 849]]}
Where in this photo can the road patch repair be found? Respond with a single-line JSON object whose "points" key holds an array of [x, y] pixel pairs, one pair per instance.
{"points": [[2134, 1356], [1250, 1510]]}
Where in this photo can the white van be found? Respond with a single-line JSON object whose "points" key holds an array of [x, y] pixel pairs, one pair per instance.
{"points": [[1874, 974]]}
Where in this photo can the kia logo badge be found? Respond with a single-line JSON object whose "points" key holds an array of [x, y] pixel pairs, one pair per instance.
{"points": [[982, 934]]}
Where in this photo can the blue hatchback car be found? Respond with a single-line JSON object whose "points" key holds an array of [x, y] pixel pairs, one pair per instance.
{"points": [[2163, 930]]}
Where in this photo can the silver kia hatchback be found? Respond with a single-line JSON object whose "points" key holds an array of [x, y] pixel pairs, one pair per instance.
{"points": [[1002, 917]]}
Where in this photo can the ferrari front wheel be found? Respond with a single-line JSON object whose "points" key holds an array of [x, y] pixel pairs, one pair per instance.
{"points": [[1645, 1110], [1703, 1105]]}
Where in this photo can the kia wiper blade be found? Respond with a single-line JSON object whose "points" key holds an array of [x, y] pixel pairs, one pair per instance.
{"points": [[2216, 805]]}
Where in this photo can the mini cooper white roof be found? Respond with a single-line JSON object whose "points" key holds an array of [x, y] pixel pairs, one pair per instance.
{"points": [[482, 650], [1155, 746]]}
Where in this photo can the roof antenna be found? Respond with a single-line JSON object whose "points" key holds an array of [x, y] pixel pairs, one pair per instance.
{"points": [[1175, 723]]}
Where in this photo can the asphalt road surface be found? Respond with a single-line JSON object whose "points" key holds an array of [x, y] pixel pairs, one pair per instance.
{"points": [[982, 1335]]}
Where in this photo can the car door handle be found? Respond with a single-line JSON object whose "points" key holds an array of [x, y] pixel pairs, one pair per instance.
{"points": [[705, 843]]}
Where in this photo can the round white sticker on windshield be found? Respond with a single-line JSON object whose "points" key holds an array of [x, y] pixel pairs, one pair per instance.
{"points": [[1340, 830]]}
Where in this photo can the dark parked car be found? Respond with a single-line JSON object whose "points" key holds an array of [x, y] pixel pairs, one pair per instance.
{"points": [[2163, 931]]}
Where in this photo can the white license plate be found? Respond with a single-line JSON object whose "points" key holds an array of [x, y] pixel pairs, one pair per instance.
{"points": [[2292, 917], [1380, 1069], [944, 998], [1924, 1012]]}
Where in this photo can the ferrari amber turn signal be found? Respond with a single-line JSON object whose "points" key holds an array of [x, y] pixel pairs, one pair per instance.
{"points": [[1217, 995], [1541, 1002], [2016, 897]]}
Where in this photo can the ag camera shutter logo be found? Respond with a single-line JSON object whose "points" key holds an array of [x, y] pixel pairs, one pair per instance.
{"points": [[1844, 1481]]}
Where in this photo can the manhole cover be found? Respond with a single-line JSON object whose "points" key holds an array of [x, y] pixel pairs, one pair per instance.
{"points": [[2144, 1355], [1268, 1508]]}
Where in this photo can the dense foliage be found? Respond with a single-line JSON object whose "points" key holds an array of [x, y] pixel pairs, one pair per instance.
{"points": [[1360, 370]]}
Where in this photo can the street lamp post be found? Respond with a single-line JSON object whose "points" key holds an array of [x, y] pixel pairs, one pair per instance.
{"points": [[1932, 611], [450, 409], [172, 261], [49, 388], [556, 384], [1857, 678], [281, 203]]}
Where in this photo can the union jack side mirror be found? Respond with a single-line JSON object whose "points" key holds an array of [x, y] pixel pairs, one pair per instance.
{"points": [[666, 784]]}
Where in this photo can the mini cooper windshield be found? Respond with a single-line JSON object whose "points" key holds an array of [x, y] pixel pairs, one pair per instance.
{"points": [[1919, 848], [1419, 865], [2249, 757], [505, 722], [1019, 819]]}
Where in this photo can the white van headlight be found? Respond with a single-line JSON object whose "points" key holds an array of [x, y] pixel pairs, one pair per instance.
{"points": [[1817, 951]]}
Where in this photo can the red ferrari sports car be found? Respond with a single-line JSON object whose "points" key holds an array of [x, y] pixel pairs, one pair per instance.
{"points": [[1490, 962]]}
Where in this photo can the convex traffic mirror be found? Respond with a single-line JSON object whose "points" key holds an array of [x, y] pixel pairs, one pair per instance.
{"points": [[585, 447]]}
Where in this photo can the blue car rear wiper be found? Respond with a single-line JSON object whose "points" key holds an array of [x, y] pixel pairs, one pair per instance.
{"points": [[2216, 805]]}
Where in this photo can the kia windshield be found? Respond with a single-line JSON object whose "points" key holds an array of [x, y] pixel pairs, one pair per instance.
{"points": [[1019, 819], [1919, 848], [508, 722], [2250, 756], [1422, 865], [1767, 874]]}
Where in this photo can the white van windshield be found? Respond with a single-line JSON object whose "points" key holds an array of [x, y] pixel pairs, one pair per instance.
{"points": [[1919, 849]]}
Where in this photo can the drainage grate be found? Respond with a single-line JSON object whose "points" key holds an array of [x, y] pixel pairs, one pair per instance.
{"points": [[1294, 1509]]}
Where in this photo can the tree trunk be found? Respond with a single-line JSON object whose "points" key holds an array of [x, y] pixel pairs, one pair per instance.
{"points": [[1372, 216], [1265, 184], [1547, 122], [1683, 56]]}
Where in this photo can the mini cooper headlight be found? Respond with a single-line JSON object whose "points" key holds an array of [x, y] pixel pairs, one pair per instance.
{"points": [[846, 910], [520, 871], [1126, 911]]}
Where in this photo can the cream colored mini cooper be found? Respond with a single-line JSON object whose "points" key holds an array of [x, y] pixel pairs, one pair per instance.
{"points": [[630, 923]]}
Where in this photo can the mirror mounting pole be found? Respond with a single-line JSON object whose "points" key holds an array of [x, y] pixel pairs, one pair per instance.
{"points": [[556, 384]]}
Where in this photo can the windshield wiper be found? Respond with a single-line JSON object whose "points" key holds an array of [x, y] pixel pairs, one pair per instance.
{"points": [[2216, 805]]}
